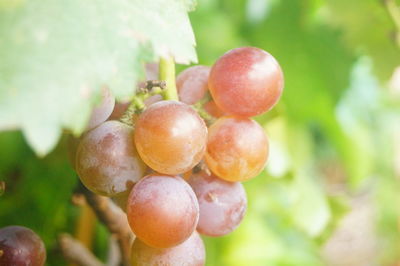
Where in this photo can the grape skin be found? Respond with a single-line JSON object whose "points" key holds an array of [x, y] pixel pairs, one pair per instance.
{"points": [[101, 112], [213, 109], [237, 148], [20, 246], [162, 210], [170, 137], [192, 84], [246, 81], [222, 204], [107, 161], [189, 253]]}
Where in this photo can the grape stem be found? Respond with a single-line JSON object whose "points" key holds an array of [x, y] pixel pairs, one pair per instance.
{"points": [[167, 74], [77, 253], [152, 87], [394, 13]]}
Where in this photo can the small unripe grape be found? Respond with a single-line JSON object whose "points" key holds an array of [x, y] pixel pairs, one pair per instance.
{"points": [[107, 161], [102, 111], [170, 137], [246, 81], [237, 148], [189, 253], [162, 210], [222, 204], [20, 246], [192, 84]]}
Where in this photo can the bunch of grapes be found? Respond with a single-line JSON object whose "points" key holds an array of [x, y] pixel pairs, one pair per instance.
{"points": [[176, 176]]}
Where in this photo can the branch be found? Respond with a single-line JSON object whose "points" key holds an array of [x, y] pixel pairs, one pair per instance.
{"points": [[75, 252], [114, 254], [167, 74], [115, 220]]}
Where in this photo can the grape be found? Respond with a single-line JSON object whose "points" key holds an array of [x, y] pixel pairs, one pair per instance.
{"points": [[153, 99], [107, 161], [213, 109], [162, 210], [119, 110], [121, 199], [192, 84], [170, 137], [101, 112], [237, 148], [20, 246], [246, 81], [189, 253], [151, 73], [222, 204]]}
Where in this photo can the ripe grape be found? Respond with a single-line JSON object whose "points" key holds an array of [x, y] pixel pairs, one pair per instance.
{"points": [[222, 204], [192, 84], [121, 199], [162, 210], [170, 137], [119, 109], [189, 253], [107, 161], [237, 148], [153, 99], [101, 112], [20, 246], [213, 109], [246, 81]]}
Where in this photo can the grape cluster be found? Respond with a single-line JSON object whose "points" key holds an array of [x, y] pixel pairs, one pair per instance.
{"points": [[173, 175], [20, 246]]}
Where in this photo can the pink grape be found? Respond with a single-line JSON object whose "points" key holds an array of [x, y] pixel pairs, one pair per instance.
{"points": [[170, 137], [191, 252], [192, 84], [222, 204], [213, 109], [246, 81], [20, 246], [237, 148], [102, 111], [107, 161], [162, 210]]}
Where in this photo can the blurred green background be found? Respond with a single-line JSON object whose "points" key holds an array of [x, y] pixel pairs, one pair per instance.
{"points": [[330, 193]]}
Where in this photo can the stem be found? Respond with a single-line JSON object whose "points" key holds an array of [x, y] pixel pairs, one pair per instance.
{"points": [[77, 253], [167, 73], [394, 13], [115, 220]]}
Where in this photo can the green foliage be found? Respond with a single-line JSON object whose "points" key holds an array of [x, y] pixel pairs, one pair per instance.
{"points": [[55, 57]]}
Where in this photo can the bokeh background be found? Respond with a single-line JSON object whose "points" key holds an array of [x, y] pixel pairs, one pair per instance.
{"points": [[330, 194]]}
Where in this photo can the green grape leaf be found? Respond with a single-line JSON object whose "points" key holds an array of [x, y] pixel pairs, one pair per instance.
{"points": [[56, 56], [369, 34]]}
